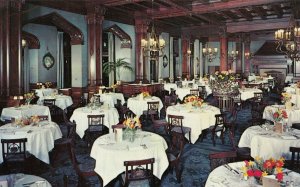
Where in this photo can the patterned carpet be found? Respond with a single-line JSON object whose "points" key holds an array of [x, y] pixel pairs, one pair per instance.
{"points": [[195, 162]]}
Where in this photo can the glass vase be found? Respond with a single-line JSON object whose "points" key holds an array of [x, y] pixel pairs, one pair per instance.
{"points": [[130, 135]]}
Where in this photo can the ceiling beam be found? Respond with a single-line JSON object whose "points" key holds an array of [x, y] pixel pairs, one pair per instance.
{"points": [[278, 11], [261, 12], [248, 26], [118, 2], [212, 7]]}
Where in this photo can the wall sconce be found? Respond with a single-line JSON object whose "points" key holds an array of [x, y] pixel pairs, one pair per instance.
{"points": [[211, 53], [18, 99], [248, 55], [189, 52], [24, 43]]}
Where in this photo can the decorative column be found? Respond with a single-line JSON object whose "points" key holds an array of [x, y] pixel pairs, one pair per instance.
{"points": [[184, 47], [95, 17], [223, 50], [247, 43], [141, 26], [239, 48]]}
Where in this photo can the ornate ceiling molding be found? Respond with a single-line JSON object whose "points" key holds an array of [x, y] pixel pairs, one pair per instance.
{"points": [[54, 19], [31, 40]]}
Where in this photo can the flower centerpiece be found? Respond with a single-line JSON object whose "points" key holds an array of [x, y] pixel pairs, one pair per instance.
{"points": [[286, 99], [224, 83], [193, 100], [260, 168], [35, 119], [28, 97], [144, 94], [131, 124], [278, 116]]}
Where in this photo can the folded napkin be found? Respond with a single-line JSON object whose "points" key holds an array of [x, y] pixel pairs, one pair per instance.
{"points": [[288, 137]]}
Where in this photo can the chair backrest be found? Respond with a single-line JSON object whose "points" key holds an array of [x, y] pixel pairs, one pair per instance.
{"points": [[14, 149], [225, 103], [174, 121], [153, 106], [43, 118], [220, 122], [137, 170], [194, 92], [258, 96], [49, 102], [179, 84], [295, 160], [95, 122], [190, 85], [221, 158], [96, 98]]}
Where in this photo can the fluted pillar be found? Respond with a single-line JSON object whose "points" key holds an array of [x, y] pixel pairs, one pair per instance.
{"points": [[223, 50], [184, 47], [247, 43]]}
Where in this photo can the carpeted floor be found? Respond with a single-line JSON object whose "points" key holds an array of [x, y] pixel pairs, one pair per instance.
{"points": [[195, 162]]}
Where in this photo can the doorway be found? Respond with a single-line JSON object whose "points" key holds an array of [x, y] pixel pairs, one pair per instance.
{"points": [[67, 61]]}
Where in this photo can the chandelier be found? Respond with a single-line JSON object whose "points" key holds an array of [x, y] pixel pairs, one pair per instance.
{"points": [[288, 40], [152, 46], [210, 53]]}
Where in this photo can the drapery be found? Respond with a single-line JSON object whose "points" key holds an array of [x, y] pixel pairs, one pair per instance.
{"points": [[60, 60]]}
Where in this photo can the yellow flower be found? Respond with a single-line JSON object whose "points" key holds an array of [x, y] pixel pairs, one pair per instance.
{"points": [[251, 163], [257, 158], [264, 173], [278, 170]]}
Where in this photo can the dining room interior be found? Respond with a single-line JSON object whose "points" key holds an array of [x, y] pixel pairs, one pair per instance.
{"points": [[150, 93]]}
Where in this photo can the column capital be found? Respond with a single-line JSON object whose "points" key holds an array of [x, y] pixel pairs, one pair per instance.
{"points": [[95, 14], [223, 31]]}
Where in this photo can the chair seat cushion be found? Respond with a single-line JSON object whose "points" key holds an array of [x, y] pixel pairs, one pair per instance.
{"points": [[179, 130], [61, 141]]}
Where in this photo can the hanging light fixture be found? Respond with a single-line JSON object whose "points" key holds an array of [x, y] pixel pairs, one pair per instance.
{"points": [[210, 53], [152, 46], [287, 40]]}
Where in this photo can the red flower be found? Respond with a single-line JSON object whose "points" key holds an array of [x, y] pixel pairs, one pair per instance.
{"points": [[192, 99], [279, 163], [250, 173], [275, 115], [268, 164], [284, 114], [257, 173], [279, 176]]}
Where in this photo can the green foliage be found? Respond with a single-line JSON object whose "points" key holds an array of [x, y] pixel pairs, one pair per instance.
{"points": [[115, 67]]}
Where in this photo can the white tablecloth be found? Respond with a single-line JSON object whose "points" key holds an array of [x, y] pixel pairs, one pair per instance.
{"points": [[291, 89], [25, 111], [293, 115], [197, 119], [182, 92], [248, 93], [110, 155], [20, 180], [62, 101], [267, 143], [111, 117], [222, 177], [111, 98], [168, 86], [39, 141], [137, 106], [45, 92]]}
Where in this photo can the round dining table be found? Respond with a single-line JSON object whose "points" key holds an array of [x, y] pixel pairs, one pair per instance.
{"points": [[197, 118], [111, 98], [111, 154], [223, 177], [138, 105], [248, 93], [40, 137], [266, 143], [111, 117], [293, 113], [24, 111], [23, 180]]}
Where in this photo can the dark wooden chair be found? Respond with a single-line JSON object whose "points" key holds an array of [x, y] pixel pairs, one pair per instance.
{"points": [[225, 103], [55, 111], [243, 153], [64, 144], [194, 92], [257, 110], [174, 153], [85, 171], [96, 128], [218, 127], [202, 92], [15, 156], [49, 102], [138, 173], [238, 104], [175, 124], [152, 110], [179, 84], [43, 117], [221, 158], [294, 163]]}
